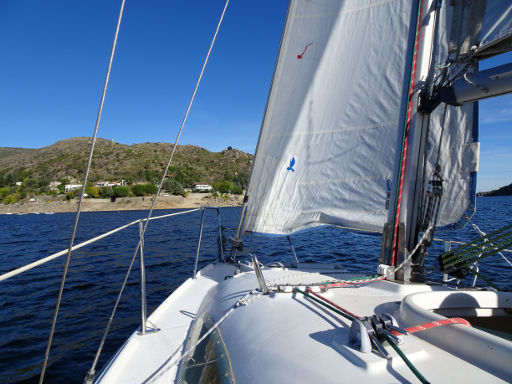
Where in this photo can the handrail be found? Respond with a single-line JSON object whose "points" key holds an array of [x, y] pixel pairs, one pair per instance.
{"points": [[203, 209], [39, 262]]}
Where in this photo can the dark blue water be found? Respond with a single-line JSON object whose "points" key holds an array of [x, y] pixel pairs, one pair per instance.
{"points": [[96, 272]]}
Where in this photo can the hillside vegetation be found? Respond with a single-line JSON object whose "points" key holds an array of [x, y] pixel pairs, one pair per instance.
{"points": [[503, 191], [137, 163]]}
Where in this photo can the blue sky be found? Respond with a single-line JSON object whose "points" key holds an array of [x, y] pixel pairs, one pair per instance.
{"points": [[53, 58]]}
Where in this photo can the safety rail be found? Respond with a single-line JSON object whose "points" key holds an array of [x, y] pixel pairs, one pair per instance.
{"points": [[54, 256], [140, 222], [221, 244]]}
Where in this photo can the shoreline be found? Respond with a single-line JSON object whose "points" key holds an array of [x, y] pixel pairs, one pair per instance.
{"points": [[50, 204]]}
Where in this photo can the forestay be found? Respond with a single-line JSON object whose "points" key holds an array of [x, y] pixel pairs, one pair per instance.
{"points": [[326, 152]]}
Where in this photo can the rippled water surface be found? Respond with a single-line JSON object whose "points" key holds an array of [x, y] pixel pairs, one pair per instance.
{"points": [[96, 273]]}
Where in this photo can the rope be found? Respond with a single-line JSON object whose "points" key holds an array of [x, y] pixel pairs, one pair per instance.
{"points": [[366, 279], [423, 238], [347, 315], [405, 359], [499, 253], [480, 275], [403, 154], [75, 225], [434, 324], [343, 312], [346, 311], [465, 255]]}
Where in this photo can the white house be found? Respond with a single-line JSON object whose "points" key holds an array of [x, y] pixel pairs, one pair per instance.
{"points": [[121, 183], [202, 187], [71, 187]]}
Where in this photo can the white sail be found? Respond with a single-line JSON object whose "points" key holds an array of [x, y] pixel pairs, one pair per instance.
{"points": [[453, 131], [496, 34], [326, 153]]}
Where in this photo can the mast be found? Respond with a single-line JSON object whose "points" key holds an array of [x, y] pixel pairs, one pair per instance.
{"points": [[401, 233], [428, 191]]}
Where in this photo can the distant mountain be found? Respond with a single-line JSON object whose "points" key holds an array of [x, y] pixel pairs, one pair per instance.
{"points": [[7, 151], [135, 163], [503, 191]]}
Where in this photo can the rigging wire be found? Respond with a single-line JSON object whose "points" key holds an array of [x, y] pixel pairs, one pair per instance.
{"points": [[91, 373], [75, 225]]}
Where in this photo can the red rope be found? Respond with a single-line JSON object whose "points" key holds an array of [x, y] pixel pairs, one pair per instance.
{"points": [[416, 328], [404, 158], [434, 324], [332, 303]]}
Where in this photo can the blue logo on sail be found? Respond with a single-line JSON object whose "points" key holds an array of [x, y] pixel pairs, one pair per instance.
{"points": [[292, 164]]}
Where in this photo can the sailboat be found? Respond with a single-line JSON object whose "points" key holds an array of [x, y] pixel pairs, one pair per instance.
{"points": [[370, 126]]}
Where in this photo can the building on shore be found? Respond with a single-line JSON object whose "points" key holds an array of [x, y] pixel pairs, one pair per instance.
{"points": [[202, 187]]}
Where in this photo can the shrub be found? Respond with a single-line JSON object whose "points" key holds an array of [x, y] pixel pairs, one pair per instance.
{"points": [[223, 186], [150, 189], [70, 195], [173, 187], [4, 192], [106, 192], [93, 191], [119, 191], [237, 190], [138, 190], [12, 198]]}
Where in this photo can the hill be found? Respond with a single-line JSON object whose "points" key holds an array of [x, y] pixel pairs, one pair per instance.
{"points": [[503, 191], [7, 151], [143, 162]]}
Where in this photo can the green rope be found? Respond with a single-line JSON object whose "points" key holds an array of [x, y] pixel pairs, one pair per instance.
{"points": [[484, 279], [405, 359], [345, 315], [476, 250], [362, 279], [452, 254], [395, 347]]}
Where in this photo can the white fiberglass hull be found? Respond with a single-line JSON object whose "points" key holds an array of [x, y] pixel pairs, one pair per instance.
{"points": [[284, 337]]}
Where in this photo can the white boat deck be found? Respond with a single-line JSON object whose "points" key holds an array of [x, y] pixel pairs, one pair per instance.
{"points": [[287, 338]]}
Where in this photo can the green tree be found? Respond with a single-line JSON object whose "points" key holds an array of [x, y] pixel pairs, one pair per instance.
{"points": [[138, 190], [223, 186], [150, 189], [120, 191], [151, 176], [93, 191], [12, 198], [4, 192], [174, 187], [106, 192]]}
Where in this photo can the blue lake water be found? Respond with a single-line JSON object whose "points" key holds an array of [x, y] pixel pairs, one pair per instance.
{"points": [[96, 273]]}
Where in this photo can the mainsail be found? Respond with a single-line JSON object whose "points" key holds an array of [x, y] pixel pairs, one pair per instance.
{"points": [[327, 147]]}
